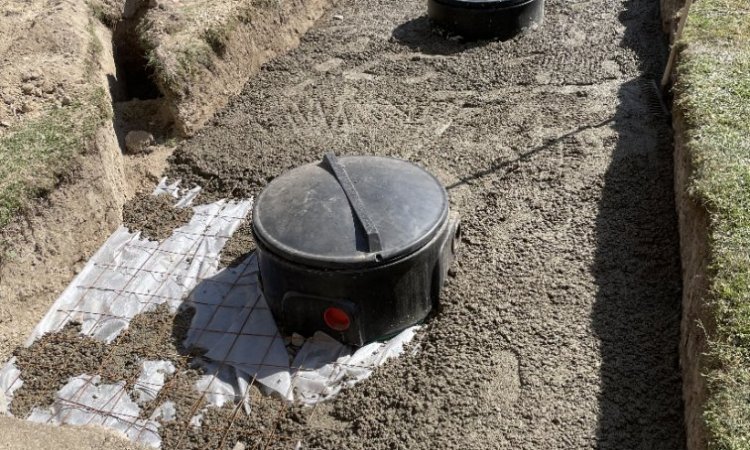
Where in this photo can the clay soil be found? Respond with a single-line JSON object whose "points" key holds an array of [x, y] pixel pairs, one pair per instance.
{"points": [[560, 327]]}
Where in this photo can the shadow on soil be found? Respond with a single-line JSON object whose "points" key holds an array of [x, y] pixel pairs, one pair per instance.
{"points": [[637, 268], [219, 309], [507, 165], [420, 35]]}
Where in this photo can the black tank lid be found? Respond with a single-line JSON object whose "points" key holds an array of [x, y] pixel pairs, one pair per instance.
{"points": [[312, 215]]}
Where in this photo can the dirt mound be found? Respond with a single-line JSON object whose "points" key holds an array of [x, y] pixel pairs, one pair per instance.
{"points": [[238, 246], [203, 51], [155, 216], [45, 78]]}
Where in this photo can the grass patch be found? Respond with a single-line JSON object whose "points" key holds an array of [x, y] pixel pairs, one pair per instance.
{"points": [[713, 91], [186, 48], [35, 156], [175, 68], [108, 12], [218, 38]]}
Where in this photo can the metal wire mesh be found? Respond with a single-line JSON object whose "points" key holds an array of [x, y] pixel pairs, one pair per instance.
{"points": [[110, 280]]}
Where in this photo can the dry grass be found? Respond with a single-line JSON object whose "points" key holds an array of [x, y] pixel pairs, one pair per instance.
{"points": [[195, 34]]}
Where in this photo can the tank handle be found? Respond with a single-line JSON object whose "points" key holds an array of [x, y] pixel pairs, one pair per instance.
{"points": [[339, 172]]}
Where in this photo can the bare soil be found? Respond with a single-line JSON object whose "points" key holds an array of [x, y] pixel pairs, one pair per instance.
{"points": [[256, 430], [155, 216], [20, 434], [238, 246], [561, 326], [37, 75], [698, 321], [43, 249], [201, 52], [49, 363], [52, 54]]}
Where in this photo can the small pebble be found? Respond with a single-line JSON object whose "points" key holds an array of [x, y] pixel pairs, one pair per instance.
{"points": [[297, 340], [138, 141], [28, 76]]}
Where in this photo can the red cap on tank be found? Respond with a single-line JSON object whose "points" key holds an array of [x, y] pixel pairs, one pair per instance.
{"points": [[337, 319]]}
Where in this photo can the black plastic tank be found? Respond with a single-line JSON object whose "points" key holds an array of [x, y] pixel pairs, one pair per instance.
{"points": [[357, 247], [486, 19]]}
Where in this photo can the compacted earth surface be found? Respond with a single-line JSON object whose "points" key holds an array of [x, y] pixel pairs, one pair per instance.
{"points": [[560, 326]]}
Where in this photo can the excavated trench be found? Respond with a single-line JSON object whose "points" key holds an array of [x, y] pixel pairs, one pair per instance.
{"points": [[561, 326], [47, 255], [137, 102], [134, 78]]}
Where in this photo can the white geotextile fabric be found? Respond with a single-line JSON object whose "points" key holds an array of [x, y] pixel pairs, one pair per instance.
{"points": [[10, 381], [152, 378], [130, 275], [236, 326], [84, 400], [337, 366]]}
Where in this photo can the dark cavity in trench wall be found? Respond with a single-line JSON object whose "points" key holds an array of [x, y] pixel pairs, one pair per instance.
{"points": [[135, 77]]}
